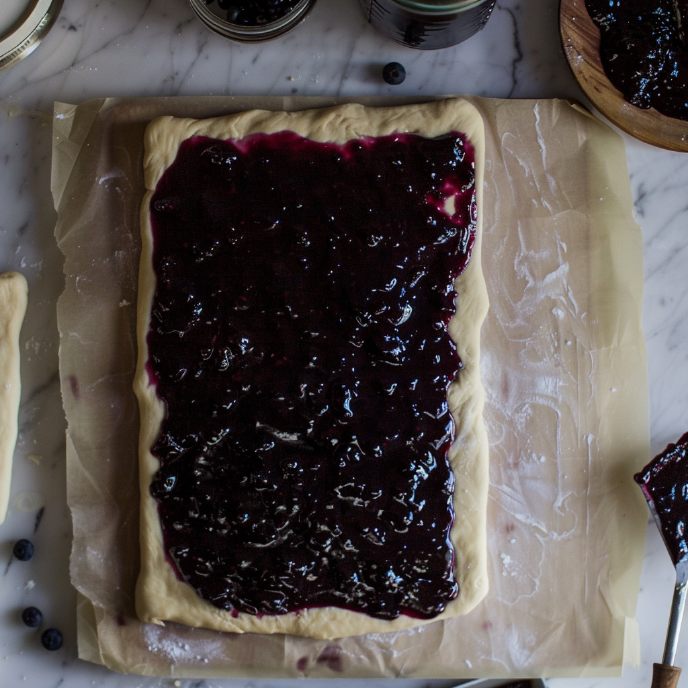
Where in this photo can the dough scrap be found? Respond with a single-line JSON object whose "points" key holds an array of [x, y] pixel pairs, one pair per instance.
{"points": [[160, 595], [14, 294]]}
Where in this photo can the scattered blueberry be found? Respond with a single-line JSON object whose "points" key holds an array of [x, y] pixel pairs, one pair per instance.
{"points": [[51, 639], [23, 550], [32, 617], [394, 73]]}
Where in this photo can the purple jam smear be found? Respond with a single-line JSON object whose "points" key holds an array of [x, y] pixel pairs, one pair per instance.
{"points": [[664, 481], [299, 341], [644, 51]]}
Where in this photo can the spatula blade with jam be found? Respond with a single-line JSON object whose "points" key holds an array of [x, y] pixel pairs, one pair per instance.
{"points": [[664, 482]]}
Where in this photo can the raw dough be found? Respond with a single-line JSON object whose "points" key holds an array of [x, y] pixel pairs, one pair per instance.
{"points": [[14, 294], [160, 595]]}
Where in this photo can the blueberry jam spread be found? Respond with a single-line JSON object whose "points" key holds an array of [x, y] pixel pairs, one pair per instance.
{"points": [[664, 482], [644, 51], [299, 341], [255, 12]]}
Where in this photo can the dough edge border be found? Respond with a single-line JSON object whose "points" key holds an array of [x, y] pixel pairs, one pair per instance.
{"points": [[160, 595]]}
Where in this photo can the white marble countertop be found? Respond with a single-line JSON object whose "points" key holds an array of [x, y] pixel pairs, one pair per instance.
{"points": [[158, 47]]}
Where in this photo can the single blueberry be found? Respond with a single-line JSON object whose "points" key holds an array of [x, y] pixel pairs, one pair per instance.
{"points": [[23, 550], [32, 617], [394, 73], [51, 639]]}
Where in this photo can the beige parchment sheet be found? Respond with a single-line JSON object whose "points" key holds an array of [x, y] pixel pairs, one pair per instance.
{"points": [[564, 369]]}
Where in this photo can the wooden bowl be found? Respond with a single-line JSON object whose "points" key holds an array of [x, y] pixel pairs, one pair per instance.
{"points": [[581, 41]]}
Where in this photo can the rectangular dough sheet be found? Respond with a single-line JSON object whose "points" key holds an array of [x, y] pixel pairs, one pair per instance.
{"points": [[160, 595]]}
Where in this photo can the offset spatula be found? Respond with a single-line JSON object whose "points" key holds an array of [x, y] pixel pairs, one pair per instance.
{"points": [[664, 482]]}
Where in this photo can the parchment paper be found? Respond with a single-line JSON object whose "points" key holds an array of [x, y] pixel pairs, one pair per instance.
{"points": [[563, 367]]}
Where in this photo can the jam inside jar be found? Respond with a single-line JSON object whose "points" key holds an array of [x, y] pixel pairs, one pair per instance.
{"points": [[299, 342]]}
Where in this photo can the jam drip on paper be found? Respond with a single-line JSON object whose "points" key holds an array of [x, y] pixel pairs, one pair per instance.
{"points": [[299, 342], [644, 51], [664, 482]]}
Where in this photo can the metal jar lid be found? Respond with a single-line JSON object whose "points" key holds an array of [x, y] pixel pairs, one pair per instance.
{"points": [[431, 6], [24, 36], [428, 24], [214, 18]]}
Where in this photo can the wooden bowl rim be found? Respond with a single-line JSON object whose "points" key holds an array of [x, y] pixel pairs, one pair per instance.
{"points": [[580, 40]]}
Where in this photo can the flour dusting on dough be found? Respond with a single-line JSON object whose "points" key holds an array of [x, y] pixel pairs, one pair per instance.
{"points": [[180, 651]]}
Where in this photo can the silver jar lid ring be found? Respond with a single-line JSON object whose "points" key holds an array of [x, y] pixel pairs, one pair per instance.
{"points": [[438, 5], [23, 36]]}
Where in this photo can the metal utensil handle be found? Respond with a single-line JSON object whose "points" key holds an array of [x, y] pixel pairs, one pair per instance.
{"points": [[664, 676], [677, 605]]}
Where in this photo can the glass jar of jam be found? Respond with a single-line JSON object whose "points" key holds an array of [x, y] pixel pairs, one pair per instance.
{"points": [[251, 21], [428, 24]]}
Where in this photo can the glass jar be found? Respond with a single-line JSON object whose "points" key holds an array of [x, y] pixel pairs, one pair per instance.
{"points": [[220, 21], [428, 24]]}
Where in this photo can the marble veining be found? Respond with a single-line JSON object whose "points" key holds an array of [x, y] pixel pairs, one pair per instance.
{"points": [[157, 47]]}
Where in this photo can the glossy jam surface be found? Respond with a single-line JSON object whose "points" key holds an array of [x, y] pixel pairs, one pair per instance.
{"points": [[644, 51], [664, 482], [255, 12], [299, 341]]}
